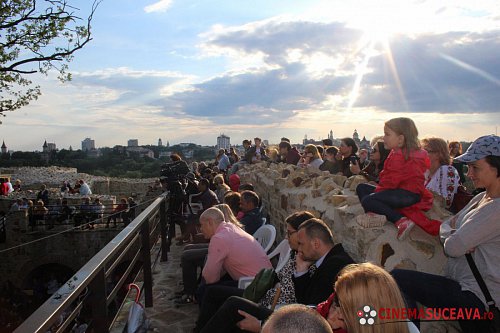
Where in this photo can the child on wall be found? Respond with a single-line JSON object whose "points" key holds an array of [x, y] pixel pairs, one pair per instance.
{"points": [[401, 195]]}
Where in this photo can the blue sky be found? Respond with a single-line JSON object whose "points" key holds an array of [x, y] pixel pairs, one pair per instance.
{"points": [[185, 71]]}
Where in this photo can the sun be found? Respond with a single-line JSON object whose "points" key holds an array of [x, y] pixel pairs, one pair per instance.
{"points": [[380, 21]]}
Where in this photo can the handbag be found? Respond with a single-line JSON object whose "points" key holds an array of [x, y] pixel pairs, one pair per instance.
{"points": [[263, 281], [460, 199], [137, 322], [492, 308]]}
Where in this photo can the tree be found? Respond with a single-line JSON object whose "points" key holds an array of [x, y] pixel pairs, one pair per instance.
{"points": [[37, 36]]}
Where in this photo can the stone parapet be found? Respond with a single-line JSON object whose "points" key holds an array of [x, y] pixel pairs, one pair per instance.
{"points": [[33, 177], [285, 189]]}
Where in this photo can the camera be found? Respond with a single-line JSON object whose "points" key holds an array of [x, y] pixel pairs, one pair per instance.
{"points": [[174, 171]]}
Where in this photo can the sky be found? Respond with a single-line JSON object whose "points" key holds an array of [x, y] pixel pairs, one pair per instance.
{"points": [[187, 71]]}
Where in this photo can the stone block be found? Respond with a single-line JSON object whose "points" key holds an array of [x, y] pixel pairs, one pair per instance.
{"points": [[338, 206], [339, 179], [354, 181]]}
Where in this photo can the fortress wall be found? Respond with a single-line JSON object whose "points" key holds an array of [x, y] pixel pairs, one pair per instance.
{"points": [[326, 197]]}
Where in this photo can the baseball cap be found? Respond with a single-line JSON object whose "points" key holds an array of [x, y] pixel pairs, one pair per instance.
{"points": [[484, 146]]}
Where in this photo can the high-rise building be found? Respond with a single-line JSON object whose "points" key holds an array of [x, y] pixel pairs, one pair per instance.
{"points": [[88, 144], [160, 143], [133, 143], [223, 142]]}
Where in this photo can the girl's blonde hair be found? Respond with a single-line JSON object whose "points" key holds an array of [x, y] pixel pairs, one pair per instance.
{"points": [[313, 150], [405, 127], [228, 215], [219, 179], [364, 284]]}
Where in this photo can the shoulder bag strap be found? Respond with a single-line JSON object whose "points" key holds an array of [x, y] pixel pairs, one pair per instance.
{"points": [[480, 281]]}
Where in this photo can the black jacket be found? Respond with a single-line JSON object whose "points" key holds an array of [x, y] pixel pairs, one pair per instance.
{"points": [[316, 288]]}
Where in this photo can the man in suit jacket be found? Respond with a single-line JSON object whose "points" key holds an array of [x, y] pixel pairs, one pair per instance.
{"points": [[318, 262]]}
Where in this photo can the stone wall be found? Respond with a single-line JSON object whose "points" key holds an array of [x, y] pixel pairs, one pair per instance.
{"points": [[108, 189], [71, 249], [326, 197]]}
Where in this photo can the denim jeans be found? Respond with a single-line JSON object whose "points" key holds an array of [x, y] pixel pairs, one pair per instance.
{"points": [[439, 292], [385, 202]]}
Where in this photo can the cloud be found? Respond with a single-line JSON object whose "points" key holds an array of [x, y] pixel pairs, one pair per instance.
{"points": [[160, 6], [456, 72], [134, 87], [275, 39]]}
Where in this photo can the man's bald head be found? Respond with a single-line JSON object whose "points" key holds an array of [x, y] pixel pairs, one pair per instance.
{"points": [[296, 318], [210, 221]]}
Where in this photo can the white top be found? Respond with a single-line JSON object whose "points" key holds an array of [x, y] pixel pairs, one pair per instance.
{"points": [[444, 182]]}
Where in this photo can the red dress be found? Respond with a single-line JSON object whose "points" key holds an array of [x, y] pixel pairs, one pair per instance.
{"points": [[410, 175]]}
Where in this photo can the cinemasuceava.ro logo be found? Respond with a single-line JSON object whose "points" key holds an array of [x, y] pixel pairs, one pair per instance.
{"points": [[367, 315]]}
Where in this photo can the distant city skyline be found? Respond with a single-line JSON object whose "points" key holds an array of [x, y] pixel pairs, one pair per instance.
{"points": [[189, 70], [220, 141]]}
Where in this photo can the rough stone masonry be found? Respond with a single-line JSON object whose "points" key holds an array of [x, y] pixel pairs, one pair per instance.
{"points": [[285, 189]]}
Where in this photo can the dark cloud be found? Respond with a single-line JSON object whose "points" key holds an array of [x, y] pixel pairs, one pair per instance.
{"points": [[453, 72], [430, 67], [274, 38], [269, 96]]}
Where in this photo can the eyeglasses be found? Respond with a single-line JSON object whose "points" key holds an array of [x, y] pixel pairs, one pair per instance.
{"points": [[290, 233]]}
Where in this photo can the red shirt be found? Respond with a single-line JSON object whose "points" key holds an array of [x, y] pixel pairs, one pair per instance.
{"points": [[404, 174], [410, 175], [4, 189]]}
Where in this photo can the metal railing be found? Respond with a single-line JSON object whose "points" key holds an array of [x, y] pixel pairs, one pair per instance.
{"points": [[3, 230], [87, 289]]}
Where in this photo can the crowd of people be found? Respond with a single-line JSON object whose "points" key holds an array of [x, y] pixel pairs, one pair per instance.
{"points": [[43, 210], [320, 288]]}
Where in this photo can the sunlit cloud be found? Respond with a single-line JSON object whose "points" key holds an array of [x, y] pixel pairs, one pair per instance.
{"points": [[160, 6]]}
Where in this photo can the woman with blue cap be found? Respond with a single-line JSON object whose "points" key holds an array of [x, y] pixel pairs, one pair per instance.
{"points": [[475, 230]]}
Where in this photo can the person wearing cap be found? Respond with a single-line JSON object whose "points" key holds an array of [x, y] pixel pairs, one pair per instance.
{"points": [[475, 230]]}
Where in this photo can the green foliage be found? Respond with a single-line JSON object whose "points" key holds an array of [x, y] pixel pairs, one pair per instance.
{"points": [[37, 36], [114, 162]]}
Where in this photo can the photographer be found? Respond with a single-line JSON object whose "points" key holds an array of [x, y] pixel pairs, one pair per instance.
{"points": [[172, 177]]}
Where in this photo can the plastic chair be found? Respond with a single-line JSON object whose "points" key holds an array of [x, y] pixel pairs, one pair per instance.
{"points": [[195, 206], [244, 281], [283, 250], [266, 235]]}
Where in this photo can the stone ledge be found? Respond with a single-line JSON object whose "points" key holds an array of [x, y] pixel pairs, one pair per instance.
{"points": [[333, 199]]}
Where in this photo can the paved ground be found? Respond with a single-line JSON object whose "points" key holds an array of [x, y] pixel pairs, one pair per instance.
{"points": [[165, 316]]}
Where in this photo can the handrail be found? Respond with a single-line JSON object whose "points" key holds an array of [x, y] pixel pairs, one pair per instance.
{"points": [[93, 275], [3, 230]]}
